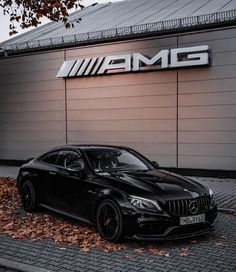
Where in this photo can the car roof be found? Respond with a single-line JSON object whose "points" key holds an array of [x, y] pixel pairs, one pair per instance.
{"points": [[86, 146], [94, 146], [81, 147]]}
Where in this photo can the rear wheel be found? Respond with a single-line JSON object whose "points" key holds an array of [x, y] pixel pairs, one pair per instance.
{"points": [[28, 197], [109, 221]]}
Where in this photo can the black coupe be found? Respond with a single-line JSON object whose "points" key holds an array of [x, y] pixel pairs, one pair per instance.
{"points": [[119, 191]]}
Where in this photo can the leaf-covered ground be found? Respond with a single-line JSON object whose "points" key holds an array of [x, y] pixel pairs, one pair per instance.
{"points": [[44, 225]]}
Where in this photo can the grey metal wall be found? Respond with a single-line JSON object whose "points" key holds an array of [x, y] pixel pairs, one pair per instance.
{"points": [[32, 105], [207, 104], [138, 110]]}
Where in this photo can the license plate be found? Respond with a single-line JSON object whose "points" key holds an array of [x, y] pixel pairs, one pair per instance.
{"points": [[188, 220]]}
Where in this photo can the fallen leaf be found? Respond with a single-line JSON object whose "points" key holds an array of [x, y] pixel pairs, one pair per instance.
{"points": [[16, 223], [154, 250], [139, 250], [222, 245], [184, 252], [62, 248], [223, 237], [128, 257], [148, 261], [193, 242]]}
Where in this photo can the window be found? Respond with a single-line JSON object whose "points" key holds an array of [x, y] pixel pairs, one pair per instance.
{"points": [[111, 159], [50, 158], [70, 159]]}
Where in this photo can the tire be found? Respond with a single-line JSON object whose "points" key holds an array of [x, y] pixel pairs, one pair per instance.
{"points": [[28, 197], [109, 221]]}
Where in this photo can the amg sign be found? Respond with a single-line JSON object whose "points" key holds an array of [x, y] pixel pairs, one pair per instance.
{"points": [[165, 59]]}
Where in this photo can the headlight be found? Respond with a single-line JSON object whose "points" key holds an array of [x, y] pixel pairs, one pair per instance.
{"points": [[212, 197], [144, 203]]}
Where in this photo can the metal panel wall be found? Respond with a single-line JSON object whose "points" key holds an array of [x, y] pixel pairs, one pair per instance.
{"points": [[32, 105], [134, 109], [137, 110], [207, 105]]}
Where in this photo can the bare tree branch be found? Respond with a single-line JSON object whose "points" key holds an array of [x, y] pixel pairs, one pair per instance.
{"points": [[28, 13]]}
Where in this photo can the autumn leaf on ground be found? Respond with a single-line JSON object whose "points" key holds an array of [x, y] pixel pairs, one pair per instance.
{"points": [[62, 248], [223, 237], [128, 257], [139, 250], [222, 245], [37, 226], [193, 242], [84, 249], [184, 252], [233, 213], [154, 250], [148, 261]]}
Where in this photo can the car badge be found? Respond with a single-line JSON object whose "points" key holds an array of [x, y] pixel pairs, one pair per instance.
{"points": [[193, 207]]}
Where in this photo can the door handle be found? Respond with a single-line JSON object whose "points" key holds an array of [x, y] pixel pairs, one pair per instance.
{"points": [[52, 173]]}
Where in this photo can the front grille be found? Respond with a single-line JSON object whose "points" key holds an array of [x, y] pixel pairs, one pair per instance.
{"points": [[181, 207]]}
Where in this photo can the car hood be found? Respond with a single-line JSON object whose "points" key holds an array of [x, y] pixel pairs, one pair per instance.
{"points": [[157, 184]]}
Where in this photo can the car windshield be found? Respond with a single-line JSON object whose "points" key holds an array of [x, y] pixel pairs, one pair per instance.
{"points": [[114, 159]]}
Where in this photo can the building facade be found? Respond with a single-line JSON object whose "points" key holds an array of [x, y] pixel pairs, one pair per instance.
{"points": [[180, 117]]}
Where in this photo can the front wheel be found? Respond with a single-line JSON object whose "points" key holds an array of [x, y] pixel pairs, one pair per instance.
{"points": [[109, 221], [28, 198]]}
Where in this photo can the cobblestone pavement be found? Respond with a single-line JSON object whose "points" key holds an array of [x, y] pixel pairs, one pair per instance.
{"points": [[216, 252], [224, 189], [8, 171], [4, 269]]}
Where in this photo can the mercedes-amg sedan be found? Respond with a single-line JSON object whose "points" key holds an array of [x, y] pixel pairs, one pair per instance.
{"points": [[119, 191]]}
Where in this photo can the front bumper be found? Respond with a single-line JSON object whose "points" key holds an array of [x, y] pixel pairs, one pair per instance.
{"points": [[152, 226]]}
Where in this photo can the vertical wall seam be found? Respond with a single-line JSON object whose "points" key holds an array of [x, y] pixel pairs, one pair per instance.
{"points": [[65, 85], [177, 113]]}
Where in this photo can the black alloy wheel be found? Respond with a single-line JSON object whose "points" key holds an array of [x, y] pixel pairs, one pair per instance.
{"points": [[109, 221], [28, 196]]}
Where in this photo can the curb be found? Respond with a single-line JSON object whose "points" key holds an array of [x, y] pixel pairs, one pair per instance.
{"points": [[21, 267]]}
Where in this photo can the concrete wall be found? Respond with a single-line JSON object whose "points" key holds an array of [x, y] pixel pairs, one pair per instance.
{"points": [[138, 110]]}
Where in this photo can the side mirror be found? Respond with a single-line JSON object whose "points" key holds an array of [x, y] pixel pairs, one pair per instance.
{"points": [[155, 164]]}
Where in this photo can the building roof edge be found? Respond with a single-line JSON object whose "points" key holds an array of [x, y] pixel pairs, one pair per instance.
{"points": [[121, 33]]}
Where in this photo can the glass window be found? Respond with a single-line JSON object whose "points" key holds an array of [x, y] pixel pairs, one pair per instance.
{"points": [[70, 159], [50, 158], [111, 159]]}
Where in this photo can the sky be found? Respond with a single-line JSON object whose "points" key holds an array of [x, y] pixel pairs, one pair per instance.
{"points": [[4, 20]]}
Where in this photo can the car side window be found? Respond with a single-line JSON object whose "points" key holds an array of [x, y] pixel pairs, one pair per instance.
{"points": [[70, 159], [50, 158]]}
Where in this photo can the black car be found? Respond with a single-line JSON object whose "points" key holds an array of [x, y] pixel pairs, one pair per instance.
{"points": [[119, 191]]}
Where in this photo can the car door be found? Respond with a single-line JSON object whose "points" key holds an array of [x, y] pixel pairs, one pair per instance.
{"points": [[70, 183], [47, 172]]}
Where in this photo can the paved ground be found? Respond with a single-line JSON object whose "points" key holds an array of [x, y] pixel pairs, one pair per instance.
{"points": [[8, 171], [216, 252], [3, 269], [224, 189]]}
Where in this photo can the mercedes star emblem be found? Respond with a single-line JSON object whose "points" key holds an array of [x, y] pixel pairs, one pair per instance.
{"points": [[193, 207]]}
